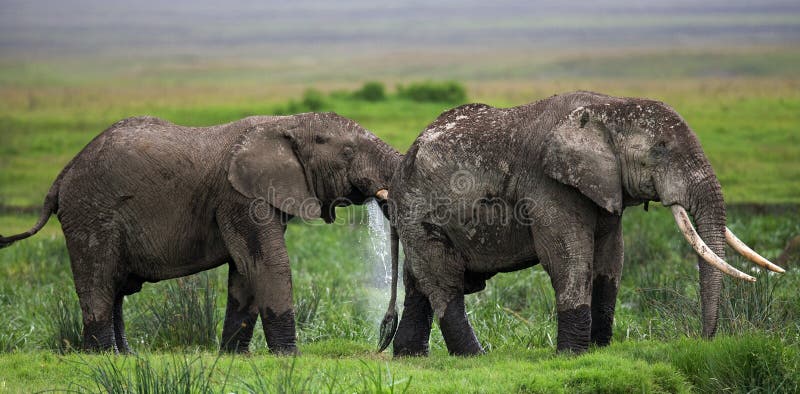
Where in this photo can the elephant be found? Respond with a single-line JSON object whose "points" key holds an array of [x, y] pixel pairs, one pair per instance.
{"points": [[484, 190], [148, 200]]}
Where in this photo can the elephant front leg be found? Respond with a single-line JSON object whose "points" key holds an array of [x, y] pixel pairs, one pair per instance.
{"points": [[573, 299], [567, 257], [607, 270], [240, 314], [259, 254], [272, 285]]}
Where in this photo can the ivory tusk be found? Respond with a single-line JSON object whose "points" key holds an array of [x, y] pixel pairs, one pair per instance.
{"points": [[750, 254], [699, 246], [382, 194]]}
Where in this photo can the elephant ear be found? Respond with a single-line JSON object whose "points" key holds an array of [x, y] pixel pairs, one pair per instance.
{"points": [[579, 154], [264, 165]]}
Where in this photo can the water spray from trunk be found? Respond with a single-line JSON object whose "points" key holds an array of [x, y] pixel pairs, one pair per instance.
{"points": [[379, 239]]}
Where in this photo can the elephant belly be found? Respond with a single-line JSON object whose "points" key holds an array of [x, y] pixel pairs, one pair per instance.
{"points": [[496, 248], [189, 247]]}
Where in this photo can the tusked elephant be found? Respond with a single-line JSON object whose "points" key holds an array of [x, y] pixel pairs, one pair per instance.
{"points": [[148, 200], [485, 190]]}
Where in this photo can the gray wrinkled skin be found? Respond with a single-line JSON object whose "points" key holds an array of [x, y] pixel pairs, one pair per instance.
{"points": [[148, 200], [486, 190]]}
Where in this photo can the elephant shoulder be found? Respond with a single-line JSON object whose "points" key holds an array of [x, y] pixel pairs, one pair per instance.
{"points": [[250, 121], [138, 121], [463, 114], [454, 122]]}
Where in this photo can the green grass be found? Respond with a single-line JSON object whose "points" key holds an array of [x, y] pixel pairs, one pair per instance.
{"points": [[340, 300], [747, 364]]}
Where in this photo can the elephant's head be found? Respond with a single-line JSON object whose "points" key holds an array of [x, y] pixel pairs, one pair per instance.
{"points": [[306, 165], [628, 151]]}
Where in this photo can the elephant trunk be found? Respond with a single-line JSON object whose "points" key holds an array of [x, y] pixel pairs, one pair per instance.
{"points": [[374, 166], [704, 201], [707, 207]]}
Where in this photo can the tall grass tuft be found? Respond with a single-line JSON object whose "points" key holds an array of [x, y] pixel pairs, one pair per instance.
{"points": [[65, 324], [291, 378], [287, 381], [180, 375], [15, 330], [307, 306], [188, 314]]}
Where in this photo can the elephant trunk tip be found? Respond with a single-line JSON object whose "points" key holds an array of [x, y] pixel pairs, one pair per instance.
{"points": [[388, 329]]}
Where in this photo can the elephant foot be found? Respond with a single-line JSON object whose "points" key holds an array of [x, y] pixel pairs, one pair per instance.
{"points": [[280, 333], [410, 349], [123, 347], [99, 337], [601, 332], [236, 337], [604, 298], [235, 348], [285, 351], [414, 330], [457, 332], [574, 329]]}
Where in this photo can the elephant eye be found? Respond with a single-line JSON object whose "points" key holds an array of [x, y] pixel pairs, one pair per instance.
{"points": [[659, 149], [347, 152], [320, 139]]}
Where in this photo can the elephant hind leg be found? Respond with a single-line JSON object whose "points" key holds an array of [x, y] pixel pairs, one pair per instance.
{"points": [[241, 314], [456, 330], [132, 285], [98, 321], [414, 330], [440, 269], [94, 259], [119, 327]]}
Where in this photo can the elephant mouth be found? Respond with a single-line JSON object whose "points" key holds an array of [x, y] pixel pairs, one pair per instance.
{"points": [[356, 197]]}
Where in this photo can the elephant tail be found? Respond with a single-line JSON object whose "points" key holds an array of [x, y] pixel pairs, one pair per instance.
{"points": [[50, 206], [389, 323]]}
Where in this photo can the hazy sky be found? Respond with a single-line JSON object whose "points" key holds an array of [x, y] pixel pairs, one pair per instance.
{"points": [[52, 27]]}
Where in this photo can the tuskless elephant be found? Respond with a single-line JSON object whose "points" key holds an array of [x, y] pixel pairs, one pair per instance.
{"points": [[485, 190], [148, 200]]}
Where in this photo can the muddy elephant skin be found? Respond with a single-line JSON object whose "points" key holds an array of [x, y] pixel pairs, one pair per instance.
{"points": [[148, 200], [485, 190]]}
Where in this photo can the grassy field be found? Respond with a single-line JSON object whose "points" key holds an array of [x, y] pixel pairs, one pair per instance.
{"points": [[340, 299], [624, 367], [748, 127]]}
